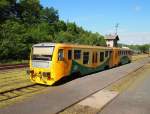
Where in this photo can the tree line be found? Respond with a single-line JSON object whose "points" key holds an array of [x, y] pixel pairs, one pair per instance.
{"points": [[145, 48], [26, 22]]}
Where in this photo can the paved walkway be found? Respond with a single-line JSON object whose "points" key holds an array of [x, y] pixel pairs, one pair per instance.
{"points": [[136, 100], [59, 97]]}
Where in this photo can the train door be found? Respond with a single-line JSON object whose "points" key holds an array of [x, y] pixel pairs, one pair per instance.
{"points": [[67, 60], [94, 58], [111, 58], [115, 58], [59, 66]]}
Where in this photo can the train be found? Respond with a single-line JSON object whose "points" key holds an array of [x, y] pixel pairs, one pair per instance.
{"points": [[50, 62]]}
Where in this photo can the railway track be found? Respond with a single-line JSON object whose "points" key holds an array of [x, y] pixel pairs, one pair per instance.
{"points": [[14, 85], [17, 92], [13, 66]]}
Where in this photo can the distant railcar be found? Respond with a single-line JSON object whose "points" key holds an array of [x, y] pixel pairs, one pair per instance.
{"points": [[50, 62]]}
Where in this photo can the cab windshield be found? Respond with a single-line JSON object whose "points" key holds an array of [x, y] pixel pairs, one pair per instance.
{"points": [[42, 57], [42, 53]]}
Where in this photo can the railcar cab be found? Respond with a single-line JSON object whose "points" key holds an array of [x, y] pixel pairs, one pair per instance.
{"points": [[41, 58]]}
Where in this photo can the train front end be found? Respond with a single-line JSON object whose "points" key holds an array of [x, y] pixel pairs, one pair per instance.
{"points": [[41, 64]]}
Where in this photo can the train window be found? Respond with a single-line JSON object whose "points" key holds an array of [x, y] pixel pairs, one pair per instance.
{"points": [[93, 58], [119, 53], [96, 58], [60, 55], [123, 53], [85, 57], [69, 54], [77, 54], [106, 54], [110, 52], [101, 56], [42, 57]]}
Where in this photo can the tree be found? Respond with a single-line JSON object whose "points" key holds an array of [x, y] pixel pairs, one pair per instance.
{"points": [[29, 11], [25, 22], [7, 9], [50, 14]]}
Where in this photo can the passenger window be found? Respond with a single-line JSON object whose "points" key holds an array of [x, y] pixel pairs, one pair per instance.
{"points": [[85, 57], [110, 52], [93, 58], [119, 53], [69, 54], [106, 54], [96, 58], [101, 56], [60, 55], [77, 54]]}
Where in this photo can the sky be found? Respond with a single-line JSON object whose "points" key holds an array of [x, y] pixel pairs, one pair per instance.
{"points": [[133, 17]]}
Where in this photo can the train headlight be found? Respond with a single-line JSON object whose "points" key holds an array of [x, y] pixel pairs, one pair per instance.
{"points": [[30, 72], [47, 74], [44, 74]]}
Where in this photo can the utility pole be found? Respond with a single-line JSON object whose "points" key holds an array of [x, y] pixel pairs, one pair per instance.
{"points": [[149, 50], [116, 28]]}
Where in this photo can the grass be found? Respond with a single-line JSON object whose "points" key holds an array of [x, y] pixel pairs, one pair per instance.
{"points": [[5, 62], [139, 56], [128, 80], [23, 95], [13, 79], [79, 109]]}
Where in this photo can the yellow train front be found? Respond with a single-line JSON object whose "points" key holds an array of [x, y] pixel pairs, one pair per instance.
{"points": [[49, 62]]}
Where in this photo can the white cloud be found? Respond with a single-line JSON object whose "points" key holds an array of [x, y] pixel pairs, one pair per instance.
{"points": [[135, 38]]}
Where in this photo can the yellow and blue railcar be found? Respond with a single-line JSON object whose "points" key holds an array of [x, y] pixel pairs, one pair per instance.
{"points": [[49, 62]]}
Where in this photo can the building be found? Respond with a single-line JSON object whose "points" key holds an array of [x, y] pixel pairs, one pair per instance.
{"points": [[111, 40]]}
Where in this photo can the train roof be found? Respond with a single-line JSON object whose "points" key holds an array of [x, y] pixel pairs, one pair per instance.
{"points": [[49, 44], [82, 46]]}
